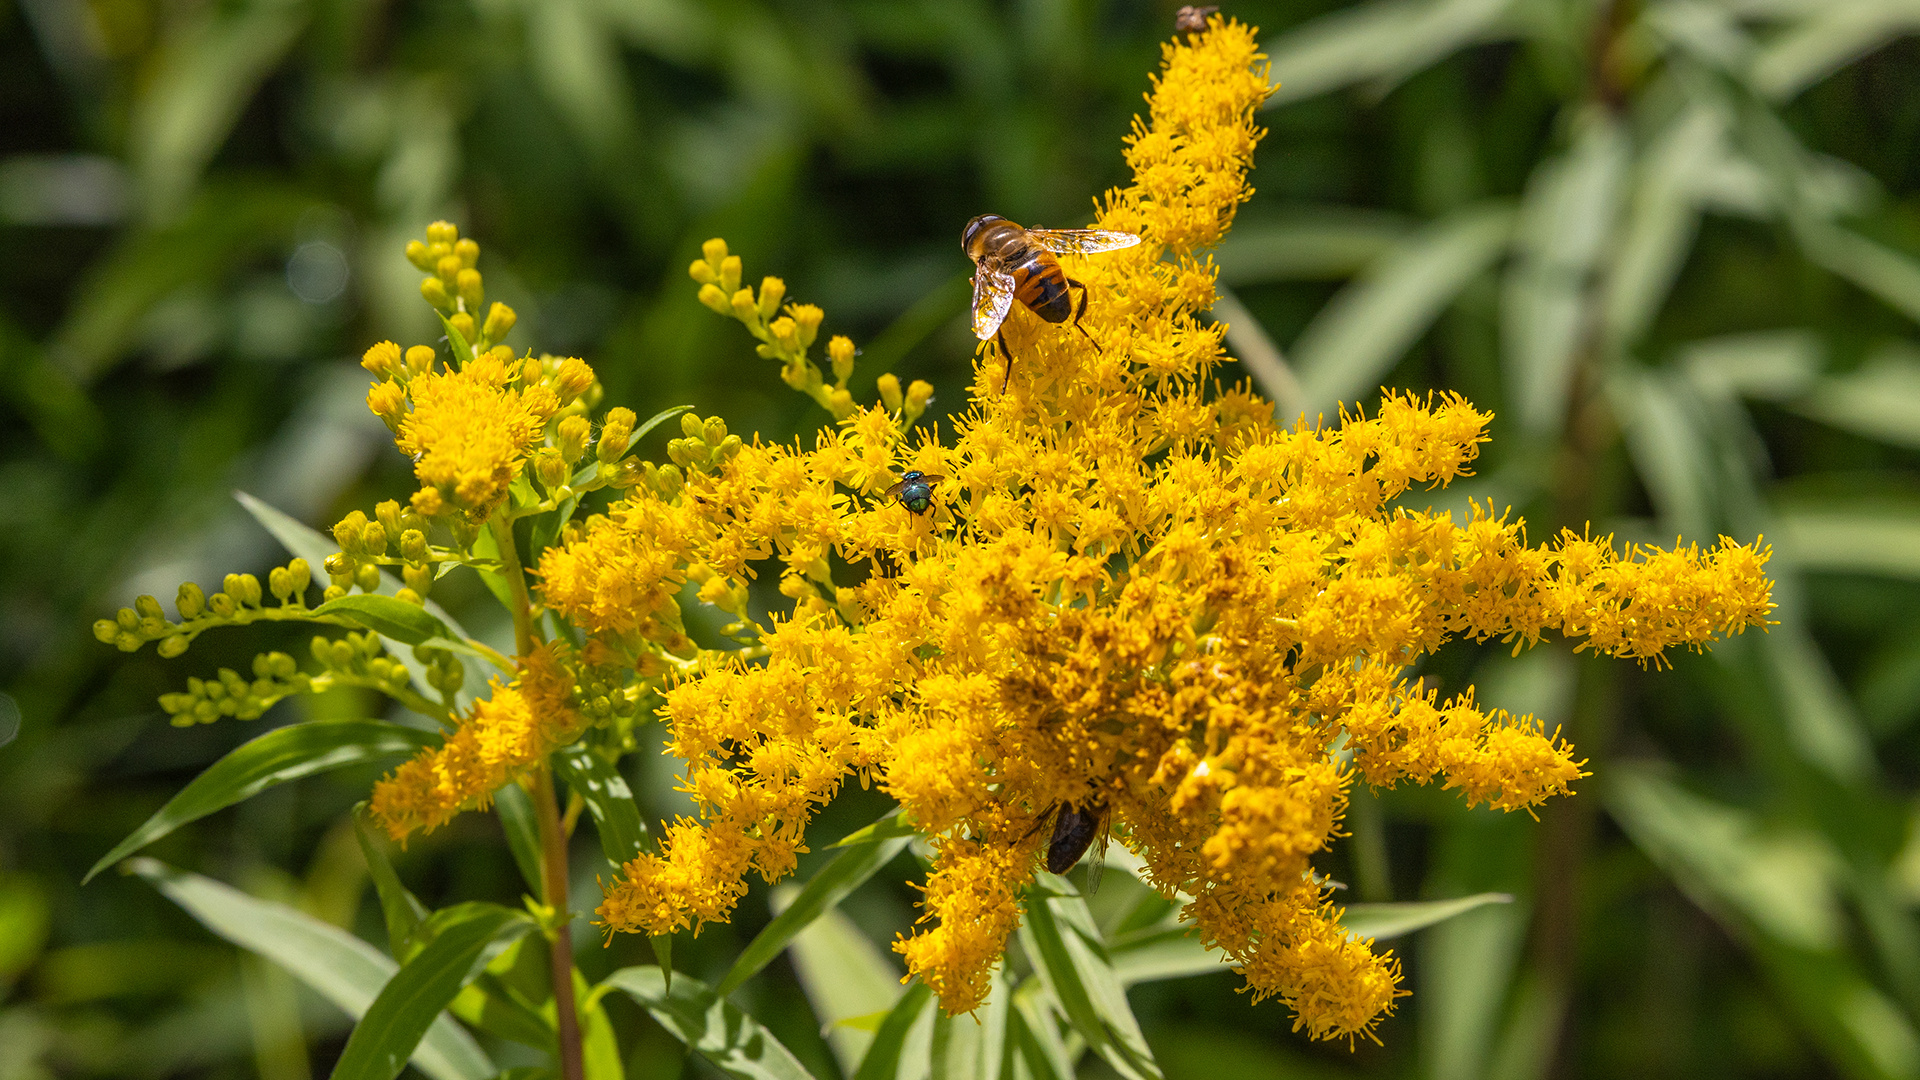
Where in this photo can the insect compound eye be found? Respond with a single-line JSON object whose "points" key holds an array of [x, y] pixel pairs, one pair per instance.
{"points": [[973, 228]]}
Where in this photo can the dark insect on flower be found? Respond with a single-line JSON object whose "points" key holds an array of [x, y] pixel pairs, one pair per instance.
{"points": [[1192, 18], [1076, 828], [1012, 263], [915, 490]]}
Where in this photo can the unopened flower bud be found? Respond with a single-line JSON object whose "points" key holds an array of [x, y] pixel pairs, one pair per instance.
{"points": [[383, 359], [703, 272], [772, 291], [728, 447], [919, 393], [840, 404], [471, 292], [190, 601], [222, 605], [332, 592], [840, 351], [670, 479], [420, 359], [413, 545], [300, 575], [574, 378], [692, 426], [418, 578], [442, 232], [373, 538], [806, 321], [427, 501], [172, 646], [615, 433], [148, 608], [786, 334], [715, 298], [743, 308], [462, 324], [388, 402], [448, 268], [714, 431], [245, 588], [889, 390], [387, 513], [714, 251], [419, 255], [551, 468], [367, 577], [280, 584], [105, 630], [467, 251], [434, 291], [500, 320], [570, 438], [730, 273]]}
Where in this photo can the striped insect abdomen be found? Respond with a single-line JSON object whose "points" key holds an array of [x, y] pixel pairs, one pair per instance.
{"points": [[1041, 284]]}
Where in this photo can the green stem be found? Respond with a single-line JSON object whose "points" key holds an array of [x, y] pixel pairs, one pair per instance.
{"points": [[553, 882], [516, 584]]}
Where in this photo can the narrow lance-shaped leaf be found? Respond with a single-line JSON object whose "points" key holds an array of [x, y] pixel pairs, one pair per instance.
{"points": [[845, 873], [465, 938], [890, 1040], [280, 755], [1061, 940], [707, 1024], [608, 798], [398, 906], [514, 807], [336, 965], [387, 616]]}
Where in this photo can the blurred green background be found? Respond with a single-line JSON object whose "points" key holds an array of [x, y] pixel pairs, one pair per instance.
{"points": [[1674, 245]]}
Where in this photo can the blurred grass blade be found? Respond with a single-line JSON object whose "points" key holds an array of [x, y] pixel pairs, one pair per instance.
{"points": [[578, 66], [1849, 539], [388, 616], [197, 88], [882, 1060], [1357, 338], [1661, 219], [1663, 432], [1382, 922], [1891, 275], [1881, 400], [336, 965], [315, 546], [1566, 219], [1306, 244], [1769, 365], [730, 1039], [616, 817], [277, 757], [401, 910], [1034, 1036], [846, 872], [844, 975], [1829, 38], [466, 937], [1261, 357], [514, 807], [1816, 711], [1386, 38], [1059, 937], [1466, 967]]}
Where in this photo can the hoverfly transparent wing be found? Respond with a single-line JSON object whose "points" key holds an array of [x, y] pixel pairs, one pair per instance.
{"points": [[992, 299], [1097, 856], [1082, 241]]}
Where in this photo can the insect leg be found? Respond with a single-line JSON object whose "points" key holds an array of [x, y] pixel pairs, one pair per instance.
{"points": [[1080, 310], [1000, 337]]}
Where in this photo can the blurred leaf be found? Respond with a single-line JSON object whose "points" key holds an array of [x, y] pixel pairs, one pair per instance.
{"points": [[200, 83], [1465, 967], [1777, 880], [25, 917], [401, 910], [456, 342], [466, 937], [1309, 244], [1369, 325], [387, 616], [846, 872], [1817, 714], [9, 719], [1829, 38], [1383, 922], [1848, 539], [1770, 365], [845, 976], [1891, 275], [707, 1024], [1663, 433], [1566, 219], [1261, 357], [1661, 217], [283, 754], [514, 807], [1033, 1035], [1059, 937], [1880, 401], [883, 1057], [616, 817], [1386, 38], [336, 965]]}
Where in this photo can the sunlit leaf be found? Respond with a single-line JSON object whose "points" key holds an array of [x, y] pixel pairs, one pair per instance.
{"points": [[846, 977], [883, 1057], [514, 807], [616, 817], [277, 757], [1059, 937], [387, 616], [1381, 39], [730, 1039], [336, 965], [401, 910]]}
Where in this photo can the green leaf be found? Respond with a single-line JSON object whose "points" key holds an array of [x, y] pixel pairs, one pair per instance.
{"points": [[654, 421], [1064, 945], [315, 546], [387, 616], [1661, 218], [283, 754], [1665, 433], [1307, 244], [336, 965], [1167, 951], [616, 816], [890, 826], [1849, 539], [1881, 400], [402, 910], [456, 344], [1389, 39], [515, 809], [1035, 1037], [1356, 339], [730, 1039], [846, 872], [1257, 353], [465, 938], [845, 977], [1827, 39], [882, 1061], [1382, 922], [1771, 365]]}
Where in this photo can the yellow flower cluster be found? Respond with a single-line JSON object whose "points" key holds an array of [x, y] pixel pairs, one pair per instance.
{"points": [[506, 735], [1133, 589]]}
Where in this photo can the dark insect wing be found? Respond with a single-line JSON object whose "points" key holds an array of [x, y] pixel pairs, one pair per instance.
{"points": [[894, 490], [1082, 241], [931, 478], [992, 299]]}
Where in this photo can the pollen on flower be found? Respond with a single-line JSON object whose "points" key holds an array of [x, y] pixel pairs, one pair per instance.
{"points": [[471, 429], [1131, 588]]}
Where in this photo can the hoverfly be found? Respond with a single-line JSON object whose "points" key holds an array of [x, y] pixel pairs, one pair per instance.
{"points": [[915, 490], [1076, 827], [1012, 263]]}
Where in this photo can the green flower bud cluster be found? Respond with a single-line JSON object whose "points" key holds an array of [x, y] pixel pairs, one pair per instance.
{"points": [[445, 672], [706, 444], [239, 602], [207, 700], [392, 537]]}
